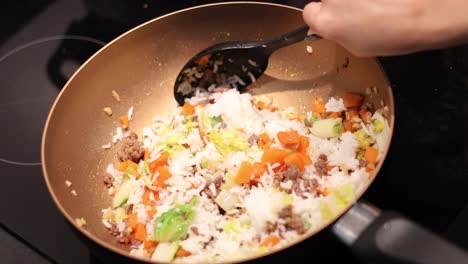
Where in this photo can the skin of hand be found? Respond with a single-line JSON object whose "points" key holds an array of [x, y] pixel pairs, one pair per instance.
{"points": [[389, 27]]}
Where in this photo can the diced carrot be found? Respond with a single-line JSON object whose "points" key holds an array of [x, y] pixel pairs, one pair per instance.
{"points": [[303, 144], [272, 108], [181, 252], [133, 168], [150, 244], [245, 171], [123, 166], [348, 126], [365, 115], [294, 159], [318, 105], [261, 105], [204, 59], [322, 190], [334, 115], [330, 167], [273, 155], [349, 115], [140, 232], [264, 139], [289, 138], [146, 155], [369, 169], [352, 100], [305, 158], [132, 221], [188, 109], [203, 137], [124, 121], [161, 161], [164, 175], [371, 155], [152, 210], [270, 241], [258, 169], [146, 197]]}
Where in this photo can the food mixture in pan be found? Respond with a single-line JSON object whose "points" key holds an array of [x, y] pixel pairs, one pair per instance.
{"points": [[230, 175]]}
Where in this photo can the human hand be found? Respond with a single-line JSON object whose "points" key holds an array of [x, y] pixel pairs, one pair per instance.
{"points": [[389, 27]]}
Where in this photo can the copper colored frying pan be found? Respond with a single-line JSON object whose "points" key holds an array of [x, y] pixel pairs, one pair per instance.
{"points": [[142, 66]]}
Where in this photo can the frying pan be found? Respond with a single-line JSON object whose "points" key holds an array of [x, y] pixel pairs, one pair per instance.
{"points": [[142, 65]]}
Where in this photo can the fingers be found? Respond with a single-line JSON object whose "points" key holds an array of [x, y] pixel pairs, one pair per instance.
{"points": [[309, 15]]}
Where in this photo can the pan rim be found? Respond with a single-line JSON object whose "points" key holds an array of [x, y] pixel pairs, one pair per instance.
{"points": [[125, 253]]}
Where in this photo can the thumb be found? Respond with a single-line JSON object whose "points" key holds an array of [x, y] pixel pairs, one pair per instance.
{"points": [[309, 15]]}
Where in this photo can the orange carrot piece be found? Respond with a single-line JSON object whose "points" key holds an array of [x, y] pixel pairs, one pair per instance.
{"points": [[181, 252], [146, 197], [258, 169], [303, 145], [146, 155], [123, 166], [270, 241], [161, 161], [152, 211], [245, 171], [124, 121], [352, 100], [318, 105], [164, 175], [289, 138], [204, 59], [330, 167], [261, 105], [371, 155], [322, 190], [150, 244], [264, 139], [132, 221], [334, 115], [140, 232], [365, 115], [294, 159], [305, 158], [272, 108], [133, 168], [272, 155], [188, 109]]}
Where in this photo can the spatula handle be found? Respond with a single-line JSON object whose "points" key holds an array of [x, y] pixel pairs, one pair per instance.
{"points": [[292, 37]]}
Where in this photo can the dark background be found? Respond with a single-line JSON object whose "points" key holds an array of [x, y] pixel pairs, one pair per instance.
{"points": [[424, 175]]}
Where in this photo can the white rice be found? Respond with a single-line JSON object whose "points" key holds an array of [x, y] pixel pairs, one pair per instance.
{"points": [[195, 164]]}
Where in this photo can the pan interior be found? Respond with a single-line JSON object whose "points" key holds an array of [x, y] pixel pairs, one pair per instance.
{"points": [[141, 67]]}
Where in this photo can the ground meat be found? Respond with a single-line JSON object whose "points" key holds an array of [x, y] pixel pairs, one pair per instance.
{"points": [[295, 223], [209, 241], [208, 192], [108, 180], [131, 149], [135, 242], [270, 227], [362, 163], [113, 230], [218, 182], [321, 165], [292, 173], [286, 212], [307, 123], [310, 186], [253, 139], [195, 230], [129, 209]]}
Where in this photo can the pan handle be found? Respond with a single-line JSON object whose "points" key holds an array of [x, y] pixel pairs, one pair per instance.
{"points": [[387, 237]]}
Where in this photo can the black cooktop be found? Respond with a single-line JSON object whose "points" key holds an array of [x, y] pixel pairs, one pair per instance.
{"points": [[42, 42]]}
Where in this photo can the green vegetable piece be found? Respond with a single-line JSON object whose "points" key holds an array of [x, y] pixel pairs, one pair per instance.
{"points": [[174, 139], [363, 139], [378, 126], [165, 251], [204, 165], [122, 194], [173, 224], [190, 125], [214, 120], [313, 119], [337, 201], [228, 141], [327, 128]]}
